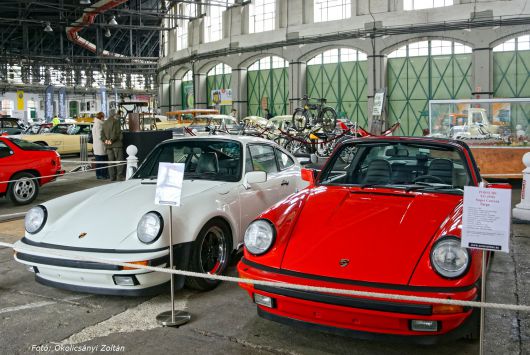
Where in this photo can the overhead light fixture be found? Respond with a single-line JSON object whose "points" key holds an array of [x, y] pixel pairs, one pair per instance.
{"points": [[107, 33], [48, 28], [113, 21], [84, 2]]}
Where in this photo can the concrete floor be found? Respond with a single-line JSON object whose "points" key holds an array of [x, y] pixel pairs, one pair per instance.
{"points": [[224, 320]]}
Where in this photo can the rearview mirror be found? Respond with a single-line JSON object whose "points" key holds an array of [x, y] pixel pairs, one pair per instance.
{"points": [[254, 177]]}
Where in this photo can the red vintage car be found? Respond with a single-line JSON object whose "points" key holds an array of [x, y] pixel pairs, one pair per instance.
{"points": [[387, 221], [26, 166]]}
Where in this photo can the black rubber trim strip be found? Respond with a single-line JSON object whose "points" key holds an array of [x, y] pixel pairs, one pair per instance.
{"points": [[89, 250], [89, 265], [355, 282], [468, 327], [361, 303], [149, 291]]}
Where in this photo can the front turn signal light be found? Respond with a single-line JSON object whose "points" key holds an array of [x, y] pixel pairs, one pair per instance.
{"points": [[446, 309], [143, 263]]}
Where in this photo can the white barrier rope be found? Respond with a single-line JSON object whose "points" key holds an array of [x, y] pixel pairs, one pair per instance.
{"points": [[340, 291], [92, 161], [66, 173]]}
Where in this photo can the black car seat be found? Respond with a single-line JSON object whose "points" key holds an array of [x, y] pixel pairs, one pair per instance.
{"points": [[443, 169], [378, 172], [208, 163]]}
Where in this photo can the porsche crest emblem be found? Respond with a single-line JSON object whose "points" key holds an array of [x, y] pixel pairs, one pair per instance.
{"points": [[82, 235], [344, 262]]}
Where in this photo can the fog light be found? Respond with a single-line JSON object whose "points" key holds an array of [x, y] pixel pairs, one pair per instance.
{"points": [[424, 325], [264, 300], [129, 280], [31, 269]]}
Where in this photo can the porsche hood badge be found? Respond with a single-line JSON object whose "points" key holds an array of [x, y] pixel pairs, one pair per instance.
{"points": [[344, 262], [82, 235]]}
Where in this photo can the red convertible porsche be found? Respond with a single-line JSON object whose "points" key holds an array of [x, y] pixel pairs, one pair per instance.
{"points": [[387, 221], [27, 166]]}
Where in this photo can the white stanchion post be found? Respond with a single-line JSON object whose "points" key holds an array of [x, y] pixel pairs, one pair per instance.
{"points": [[132, 161], [522, 210]]}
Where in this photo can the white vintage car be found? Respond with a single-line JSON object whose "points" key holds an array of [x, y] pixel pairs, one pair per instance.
{"points": [[228, 181]]}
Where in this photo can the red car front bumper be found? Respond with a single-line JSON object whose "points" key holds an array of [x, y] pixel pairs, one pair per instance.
{"points": [[360, 317]]}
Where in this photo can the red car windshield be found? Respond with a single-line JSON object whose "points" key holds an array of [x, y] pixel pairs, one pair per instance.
{"points": [[408, 165]]}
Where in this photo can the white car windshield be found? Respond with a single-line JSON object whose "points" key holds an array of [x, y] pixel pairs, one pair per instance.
{"points": [[204, 159], [407, 165]]}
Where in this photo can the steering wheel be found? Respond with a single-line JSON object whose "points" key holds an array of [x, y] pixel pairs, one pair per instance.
{"points": [[428, 177]]}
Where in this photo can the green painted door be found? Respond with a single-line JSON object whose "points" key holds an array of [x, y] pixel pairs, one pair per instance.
{"points": [[267, 88], [344, 85], [511, 79], [414, 80]]}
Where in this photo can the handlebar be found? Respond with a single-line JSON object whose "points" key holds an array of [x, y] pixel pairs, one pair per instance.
{"points": [[319, 99]]}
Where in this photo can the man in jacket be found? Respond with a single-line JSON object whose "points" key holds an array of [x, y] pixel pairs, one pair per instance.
{"points": [[112, 138], [99, 149]]}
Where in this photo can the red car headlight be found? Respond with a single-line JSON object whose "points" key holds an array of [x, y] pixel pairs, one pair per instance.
{"points": [[449, 259], [259, 236]]}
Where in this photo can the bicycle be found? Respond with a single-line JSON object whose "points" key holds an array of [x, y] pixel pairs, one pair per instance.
{"points": [[303, 117]]}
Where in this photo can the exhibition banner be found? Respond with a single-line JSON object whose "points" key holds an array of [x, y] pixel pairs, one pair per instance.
{"points": [[62, 102], [20, 100], [169, 184], [48, 103], [486, 219], [221, 97], [188, 99], [104, 104]]}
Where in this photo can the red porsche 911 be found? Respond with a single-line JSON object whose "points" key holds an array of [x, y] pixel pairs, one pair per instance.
{"points": [[387, 220]]}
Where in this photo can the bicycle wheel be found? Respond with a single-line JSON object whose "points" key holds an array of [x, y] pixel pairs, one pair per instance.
{"points": [[328, 117], [300, 119]]}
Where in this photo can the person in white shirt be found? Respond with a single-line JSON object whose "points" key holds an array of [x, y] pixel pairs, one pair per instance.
{"points": [[99, 149]]}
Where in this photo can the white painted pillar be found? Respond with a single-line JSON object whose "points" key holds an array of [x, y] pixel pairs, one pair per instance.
{"points": [[297, 84], [239, 91]]}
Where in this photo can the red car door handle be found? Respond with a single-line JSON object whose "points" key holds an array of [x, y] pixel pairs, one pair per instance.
{"points": [[285, 182]]}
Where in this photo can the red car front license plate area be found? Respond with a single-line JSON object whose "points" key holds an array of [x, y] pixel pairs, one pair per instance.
{"points": [[357, 319]]}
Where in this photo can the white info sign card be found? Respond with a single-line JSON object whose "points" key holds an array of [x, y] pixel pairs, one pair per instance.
{"points": [[169, 184], [486, 221]]}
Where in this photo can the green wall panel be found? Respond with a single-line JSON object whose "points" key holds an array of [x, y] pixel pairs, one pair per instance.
{"points": [[511, 79], [343, 85], [413, 81], [272, 84], [219, 81]]}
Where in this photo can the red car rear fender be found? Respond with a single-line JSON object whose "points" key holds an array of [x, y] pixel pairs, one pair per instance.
{"points": [[424, 273], [283, 216]]}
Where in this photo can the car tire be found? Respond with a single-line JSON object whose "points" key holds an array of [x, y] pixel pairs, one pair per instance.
{"points": [[210, 254], [23, 189]]}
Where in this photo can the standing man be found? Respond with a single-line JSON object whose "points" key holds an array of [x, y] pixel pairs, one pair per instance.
{"points": [[112, 138], [99, 149], [55, 120], [268, 115], [233, 113]]}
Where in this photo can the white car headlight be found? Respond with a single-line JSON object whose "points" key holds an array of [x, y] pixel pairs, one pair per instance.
{"points": [[150, 227], [449, 258], [35, 219], [259, 236]]}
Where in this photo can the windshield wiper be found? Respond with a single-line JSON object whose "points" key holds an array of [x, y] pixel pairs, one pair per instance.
{"points": [[430, 186], [364, 186]]}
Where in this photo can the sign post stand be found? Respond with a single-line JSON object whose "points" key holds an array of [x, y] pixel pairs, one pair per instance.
{"points": [[486, 226], [168, 190]]}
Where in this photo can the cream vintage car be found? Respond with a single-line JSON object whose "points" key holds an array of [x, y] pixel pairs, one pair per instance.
{"points": [[66, 137], [228, 181]]}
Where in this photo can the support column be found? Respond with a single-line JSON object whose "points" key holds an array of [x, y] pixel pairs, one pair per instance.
{"points": [[239, 91], [376, 80], [297, 84], [176, 94], [199, 90], [482, 75]]}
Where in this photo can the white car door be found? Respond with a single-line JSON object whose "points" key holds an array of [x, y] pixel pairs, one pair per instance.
{"points": [[289, 174], [259, 197]]}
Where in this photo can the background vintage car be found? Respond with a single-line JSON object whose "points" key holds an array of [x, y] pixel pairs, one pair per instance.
{"points": [[23, 162], [66, 137], [10, 125], [388, 221], [228, 181]]}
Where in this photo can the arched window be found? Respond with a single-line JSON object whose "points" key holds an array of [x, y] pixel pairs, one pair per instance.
{"points": [[268, 86], [329, 10], [262, 16], [423, 71], [340, 76], [511, 79], [188, 97], [218, 78]]}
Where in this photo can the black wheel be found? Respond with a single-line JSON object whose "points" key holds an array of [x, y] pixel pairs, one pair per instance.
{"points": [[296, 147], [328, 117], [210, 254], [300, 119], [24, 189]]}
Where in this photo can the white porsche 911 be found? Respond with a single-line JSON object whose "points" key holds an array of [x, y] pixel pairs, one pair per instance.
{"points": [[228, 181]]}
